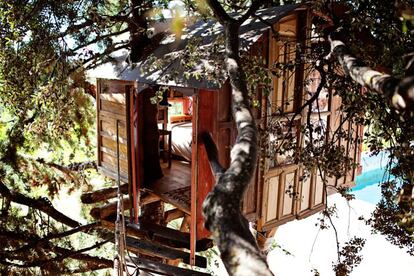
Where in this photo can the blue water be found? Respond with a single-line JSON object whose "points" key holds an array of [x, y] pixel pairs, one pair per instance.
{"points": [[373, 173]]}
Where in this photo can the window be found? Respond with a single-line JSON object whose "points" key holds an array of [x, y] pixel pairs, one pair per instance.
{"points": [[284, 70], [283, 142], [176, 107], [283, 67]]}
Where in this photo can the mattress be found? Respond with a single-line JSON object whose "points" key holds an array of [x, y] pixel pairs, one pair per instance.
{"points": [[181, 135]]}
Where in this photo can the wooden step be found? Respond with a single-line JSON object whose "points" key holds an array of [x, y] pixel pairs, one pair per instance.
{"points": [[162, 269], [150, 248]]}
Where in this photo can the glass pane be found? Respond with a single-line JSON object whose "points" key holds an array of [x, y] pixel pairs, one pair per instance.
{"points": [[283, 67], [319, 191], [312, 83], [289, 91], [305, 193], [176, 108], [283, 142]]}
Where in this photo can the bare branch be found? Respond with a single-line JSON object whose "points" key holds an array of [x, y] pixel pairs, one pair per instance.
{"points": [[83, 228], [42, 204], [212, 154]]}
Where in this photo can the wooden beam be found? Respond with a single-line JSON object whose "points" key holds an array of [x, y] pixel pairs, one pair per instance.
{"points": [[162, 269], [102, 194], [141, 246], [173, 214], [160, 234], [109, 209]]}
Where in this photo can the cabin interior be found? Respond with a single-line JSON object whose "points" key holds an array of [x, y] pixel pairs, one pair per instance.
{"points": [[156, 149]]}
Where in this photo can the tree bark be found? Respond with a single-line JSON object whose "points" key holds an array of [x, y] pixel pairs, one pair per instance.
{"points": [[400, 92], [222, 207]]}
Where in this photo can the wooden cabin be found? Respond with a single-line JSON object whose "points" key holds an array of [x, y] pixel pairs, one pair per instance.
{"points": [[159, 149]]}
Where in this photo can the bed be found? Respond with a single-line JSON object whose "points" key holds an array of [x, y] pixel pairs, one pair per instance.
{"points": [[181, 134]]}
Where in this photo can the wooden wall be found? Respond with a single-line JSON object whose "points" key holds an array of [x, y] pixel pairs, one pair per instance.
{"points": [[289, 192]]}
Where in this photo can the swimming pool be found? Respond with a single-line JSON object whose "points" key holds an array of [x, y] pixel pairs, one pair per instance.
{"points": [[373, 172]]}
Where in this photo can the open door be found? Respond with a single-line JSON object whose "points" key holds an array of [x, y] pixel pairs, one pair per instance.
{"points": [[111, 104], [117, 125]]}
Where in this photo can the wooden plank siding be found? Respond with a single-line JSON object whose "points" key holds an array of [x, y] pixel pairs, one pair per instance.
{"points": [[252, 200]]}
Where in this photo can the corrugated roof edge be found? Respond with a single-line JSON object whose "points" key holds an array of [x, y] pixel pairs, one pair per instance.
{"points": [[250, 32]]}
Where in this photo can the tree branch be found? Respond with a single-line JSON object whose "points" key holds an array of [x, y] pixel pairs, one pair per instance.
{"points": [[98, 262], [97, 56], [212, 154], [66, 253], [219, 11], [270, 25], [253, 8], [83, 228], [400, 92], [73, 167], [99, 38], [43, 204]]}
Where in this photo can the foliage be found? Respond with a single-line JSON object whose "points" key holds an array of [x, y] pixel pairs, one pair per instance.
{"points": [[388, 218], [349, 257], [48, 121], [375, 33], [47, 112]]}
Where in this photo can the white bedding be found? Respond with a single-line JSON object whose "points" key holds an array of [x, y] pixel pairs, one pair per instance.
{"points": [[181, 134]]}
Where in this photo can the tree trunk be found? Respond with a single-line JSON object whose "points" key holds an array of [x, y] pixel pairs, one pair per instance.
{"points": [[222, 207]]}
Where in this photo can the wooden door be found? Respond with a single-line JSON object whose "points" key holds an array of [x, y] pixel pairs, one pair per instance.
{"points": [[204, 120], [112, 115]]}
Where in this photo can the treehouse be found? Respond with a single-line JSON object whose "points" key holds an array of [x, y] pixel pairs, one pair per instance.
{"points": [[157, 150]]}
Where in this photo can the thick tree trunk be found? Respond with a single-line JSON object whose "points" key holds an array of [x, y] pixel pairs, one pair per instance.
{"points": [[222, 207]]}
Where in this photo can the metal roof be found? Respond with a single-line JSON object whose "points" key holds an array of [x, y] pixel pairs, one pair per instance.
{"points": [[168, 55]]}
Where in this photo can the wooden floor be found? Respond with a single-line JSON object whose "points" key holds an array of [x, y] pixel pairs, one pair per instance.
{"points": [[176, 177], [175, 186]]}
